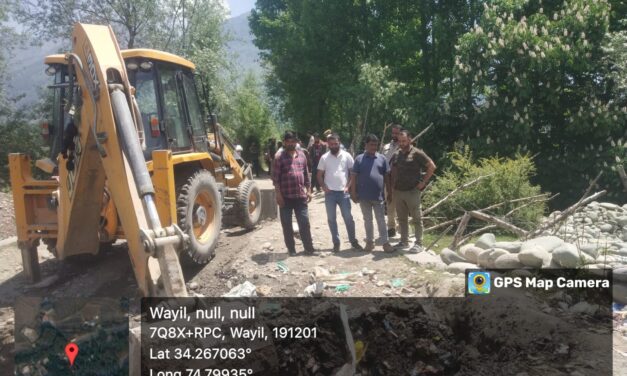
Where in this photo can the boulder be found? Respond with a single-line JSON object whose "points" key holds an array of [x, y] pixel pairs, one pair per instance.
{"points": [[449, 257], [543, 243], [606, 227], [584, 308], [512, 247], [609, 206], [486, 241], [590, 249], [620, 274], [619, 293], [460, 267], [494, 255], [471, 253], [534, 257], [567, 256], [622, 221], [508, 261], [483, 258]]}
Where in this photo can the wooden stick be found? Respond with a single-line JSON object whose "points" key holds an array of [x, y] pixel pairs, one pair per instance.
{"points": [[453, 192], [566, 213], [439, 237], [623, 176], [460, 230], [381, 143], [590, 186], [439, 225], [421, 133], [499, 222], [540, 199], [466, 238]]}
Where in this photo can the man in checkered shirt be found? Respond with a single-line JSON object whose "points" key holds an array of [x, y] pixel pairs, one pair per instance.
{"points": [[290, 176]]}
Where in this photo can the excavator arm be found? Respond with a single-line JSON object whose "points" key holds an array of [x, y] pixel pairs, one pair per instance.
{"points": [[107, 147]]}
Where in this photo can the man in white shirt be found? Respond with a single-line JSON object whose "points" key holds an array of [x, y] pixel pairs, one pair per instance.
{"points": [[388, 151], [334, 171]]}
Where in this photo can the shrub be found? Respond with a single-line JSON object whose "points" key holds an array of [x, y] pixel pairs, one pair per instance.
{"points": [[509, 180]]}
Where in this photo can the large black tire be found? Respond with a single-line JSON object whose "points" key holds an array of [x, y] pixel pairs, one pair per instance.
{"points": [[199, 211], [248, 203]]}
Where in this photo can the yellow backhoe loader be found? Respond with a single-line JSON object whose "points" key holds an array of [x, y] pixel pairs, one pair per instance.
{"points": [[131, 157]]}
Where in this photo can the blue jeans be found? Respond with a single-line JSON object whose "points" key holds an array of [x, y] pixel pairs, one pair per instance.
{"points": [[299, 207], [341, 199]]}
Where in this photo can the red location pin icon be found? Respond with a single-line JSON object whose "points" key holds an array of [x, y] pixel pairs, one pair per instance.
{"points": [[71, 350]]}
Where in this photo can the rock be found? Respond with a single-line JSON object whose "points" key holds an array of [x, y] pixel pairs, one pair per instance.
{"points": [[609, 206], [508, 261], [426, 259], [590, 249], [267, 245], [472, 252], [584, 308], [534, 257], [495, 254], [483, 258], [622, 221], [567, 256], [244, 290], [460, 267], [263, 290], [512, 247], [315, 289], [543, 243], [620, 274], [486, 241], [193, 285], [606, 227], [462, 250], [619, 293], [450, 257], [30, 334]]}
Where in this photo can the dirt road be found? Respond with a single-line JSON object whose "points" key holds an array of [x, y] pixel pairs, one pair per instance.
{"points": [[258, 256]]}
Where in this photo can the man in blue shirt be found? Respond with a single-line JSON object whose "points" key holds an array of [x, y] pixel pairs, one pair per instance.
{"points": [[370, 171]]}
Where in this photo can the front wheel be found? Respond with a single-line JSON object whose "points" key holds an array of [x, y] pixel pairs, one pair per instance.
{"points": [[249, 203], [199, 212]]}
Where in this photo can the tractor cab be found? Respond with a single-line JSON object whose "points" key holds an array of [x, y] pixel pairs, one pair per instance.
{"points": [[165, 91]]}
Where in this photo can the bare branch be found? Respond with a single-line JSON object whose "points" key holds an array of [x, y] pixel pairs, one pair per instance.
{"points": [[566, 213], [470, 235], [499, 222], [453, 192], [421, 133], [460, 230]]}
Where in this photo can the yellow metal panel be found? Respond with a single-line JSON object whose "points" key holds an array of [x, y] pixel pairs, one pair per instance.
{"points": [[157, 55], [163, 181], [55, 59]]}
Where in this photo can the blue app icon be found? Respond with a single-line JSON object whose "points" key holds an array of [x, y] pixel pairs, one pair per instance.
{"points": [[479, 283]]}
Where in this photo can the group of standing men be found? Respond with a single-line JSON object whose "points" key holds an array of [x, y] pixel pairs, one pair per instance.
{"points": [[396, 177]]}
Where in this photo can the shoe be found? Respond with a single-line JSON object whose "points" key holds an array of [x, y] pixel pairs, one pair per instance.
{"points": [[310, 251], [401, 245], [387, 247], [336, 248], [369, 247], [416, 248], [291, 252], [356, 246], [391, 232]]}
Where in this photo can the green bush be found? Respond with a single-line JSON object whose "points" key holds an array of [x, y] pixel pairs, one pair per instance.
{"points": [[509, 180]]}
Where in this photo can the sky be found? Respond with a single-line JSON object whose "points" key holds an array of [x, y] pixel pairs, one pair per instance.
{"points": [[240, 6]]}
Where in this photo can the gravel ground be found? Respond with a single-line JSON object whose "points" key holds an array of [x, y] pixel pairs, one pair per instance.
{"points": [[7, 215]]}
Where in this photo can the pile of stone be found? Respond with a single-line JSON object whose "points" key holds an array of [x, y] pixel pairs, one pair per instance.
{"points": [[595, 237]]}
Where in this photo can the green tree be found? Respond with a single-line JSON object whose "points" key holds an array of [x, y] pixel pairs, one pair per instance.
{"points": [[530, 77], [247, 115]]}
